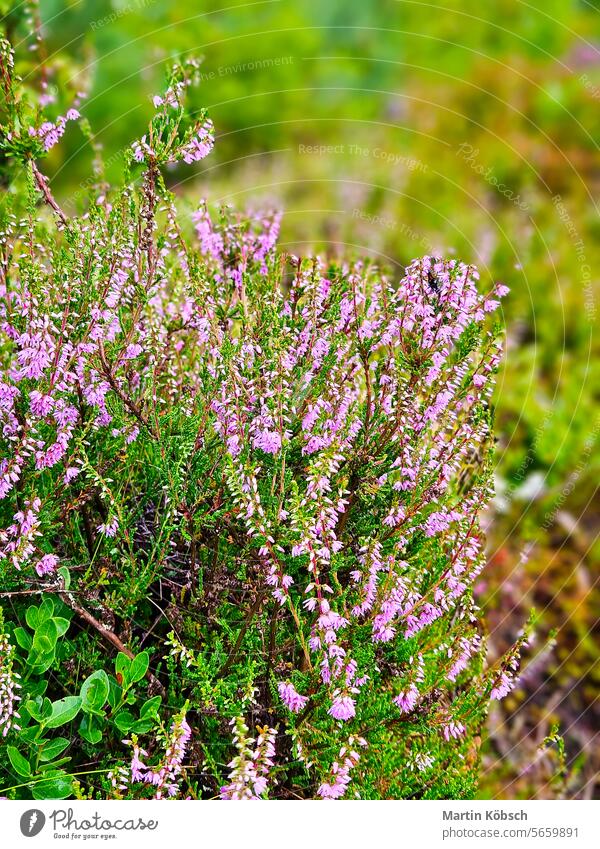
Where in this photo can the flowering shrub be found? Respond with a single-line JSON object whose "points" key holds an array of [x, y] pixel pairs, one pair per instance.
{"points": [[254, 478]]}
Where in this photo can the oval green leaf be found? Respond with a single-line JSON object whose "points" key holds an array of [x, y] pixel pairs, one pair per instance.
{"points": [[54, 788], [45, 637], [19, 763], [139, 666], [94, 690], [63, 711], [53, 748]]}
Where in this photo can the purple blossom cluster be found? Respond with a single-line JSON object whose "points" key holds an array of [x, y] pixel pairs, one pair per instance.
{"points": [[17, 541], [408, 696], [51, 132], [9, 687], [326, 416], [169, 138], [340, 774], [250, 768], [451, 728], [467, 648], [507, 677], [198, 145], [164, 777], [356, 386], [425, 423], [291, 698]]}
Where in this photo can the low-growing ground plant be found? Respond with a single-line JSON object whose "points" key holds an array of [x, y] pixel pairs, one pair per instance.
{"points": [[240, 491]]}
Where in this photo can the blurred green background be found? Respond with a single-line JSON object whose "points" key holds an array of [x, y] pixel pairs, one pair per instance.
{"points": [[396, 128]]}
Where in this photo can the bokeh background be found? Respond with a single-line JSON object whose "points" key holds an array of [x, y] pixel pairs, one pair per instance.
{"points": [[395, 128]]}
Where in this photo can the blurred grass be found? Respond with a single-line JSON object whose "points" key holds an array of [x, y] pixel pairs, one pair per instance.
{"points": [[392, 90]]}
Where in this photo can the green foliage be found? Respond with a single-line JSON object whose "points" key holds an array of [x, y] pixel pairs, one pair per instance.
{"points": [[104, 701]]}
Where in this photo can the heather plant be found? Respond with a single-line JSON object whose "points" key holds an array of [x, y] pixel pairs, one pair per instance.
{"points": [[240, 495]]}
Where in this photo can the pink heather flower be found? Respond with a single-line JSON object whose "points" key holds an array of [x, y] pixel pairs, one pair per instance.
{"points": [[468, 647], [302, 380], [109, 529], [8, 396], [71, 473], [407, 699], [343, 707], [17, 541], [233, 445], [367, 330], [490, 305], [139, 770], [268, 441], [165, 776], [199, 145], [46, 564], [50, 133], [291, 698], [132, 352], [503, 686], [250, 769], [40, 405], [9, 684], [132, 435], [453, 729], [339, 777], [211, 241], [502, 290], [421, 762]]}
